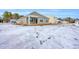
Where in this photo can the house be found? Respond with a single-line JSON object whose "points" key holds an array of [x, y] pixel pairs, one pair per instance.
{"points": [[53, 20], [12, 21], [35, 18], [65, 22], [77, 22]]}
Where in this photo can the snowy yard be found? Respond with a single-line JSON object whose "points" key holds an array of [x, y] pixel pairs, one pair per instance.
{"points": [[39, 37]]}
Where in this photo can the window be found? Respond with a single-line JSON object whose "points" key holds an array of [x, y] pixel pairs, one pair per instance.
{"points": [[46, 20], [41, 20], [31, 19]]}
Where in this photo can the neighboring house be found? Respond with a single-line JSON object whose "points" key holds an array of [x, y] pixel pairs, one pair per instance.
{"points": [[53, 20], [77, 22], [33, 18], [65, 22], [12, 21]]}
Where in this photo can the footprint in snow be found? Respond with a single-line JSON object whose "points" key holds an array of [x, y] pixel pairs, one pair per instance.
{"points": [[36, 36], [75, 39], [49, 37], [44, 40], [41, 42], [33, 48], [37, 33]]}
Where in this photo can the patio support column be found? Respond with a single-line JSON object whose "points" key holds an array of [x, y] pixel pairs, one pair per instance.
{"points": [[38, 20], [28, 19]]}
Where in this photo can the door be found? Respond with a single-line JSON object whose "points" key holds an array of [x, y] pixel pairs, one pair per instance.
{"points": [[34, 20]]}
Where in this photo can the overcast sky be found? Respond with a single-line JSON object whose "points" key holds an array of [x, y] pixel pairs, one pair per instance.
{"points": [[74, 13]]}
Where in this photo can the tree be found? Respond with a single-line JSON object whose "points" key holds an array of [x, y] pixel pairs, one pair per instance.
{"points": [[7, 16], [21, 16], [15, 16], [60, 19]]}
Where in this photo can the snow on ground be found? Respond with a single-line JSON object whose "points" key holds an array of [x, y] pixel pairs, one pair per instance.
{"points": [[39, 37]]}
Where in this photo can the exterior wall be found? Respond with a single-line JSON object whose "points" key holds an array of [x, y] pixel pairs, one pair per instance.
{"points": [[39, 20], [65, 22], [21, 21], [42, 21], [52, 20]]}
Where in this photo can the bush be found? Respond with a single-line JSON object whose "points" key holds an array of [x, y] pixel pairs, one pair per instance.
{"points": [[70, 20]]}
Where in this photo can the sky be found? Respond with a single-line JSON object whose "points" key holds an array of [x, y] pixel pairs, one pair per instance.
{"points": [[74, 13]]}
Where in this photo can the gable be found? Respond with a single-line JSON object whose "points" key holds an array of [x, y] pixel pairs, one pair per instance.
{"points": [[35, 14]]}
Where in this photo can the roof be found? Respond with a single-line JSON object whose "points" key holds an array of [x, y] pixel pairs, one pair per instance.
{"points": [[37, 14]]}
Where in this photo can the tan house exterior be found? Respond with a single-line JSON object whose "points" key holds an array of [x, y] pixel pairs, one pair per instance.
{"points": [[35, 18], [53, 20], [65, 22], [77, 22]]}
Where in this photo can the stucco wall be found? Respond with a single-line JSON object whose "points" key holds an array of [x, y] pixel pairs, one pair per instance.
{"points": [[53, 20]]}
